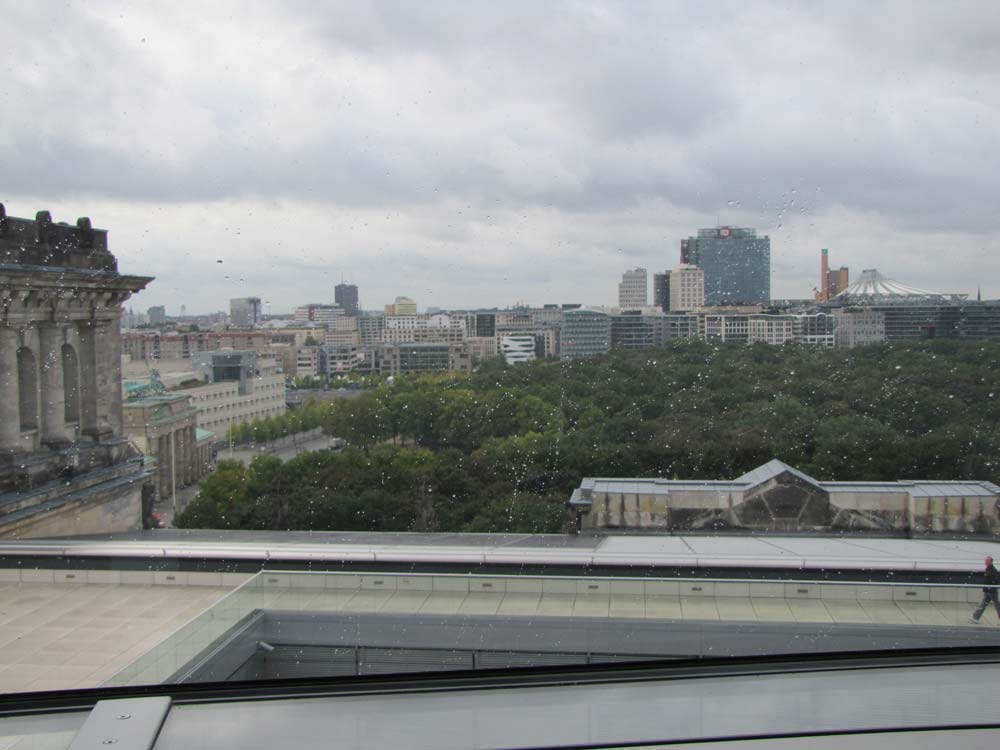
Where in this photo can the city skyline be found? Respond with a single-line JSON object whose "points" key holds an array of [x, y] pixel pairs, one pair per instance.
{"points": [[470, 157]]}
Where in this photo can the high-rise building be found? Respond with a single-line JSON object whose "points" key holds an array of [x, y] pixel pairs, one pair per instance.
{"points": [[687, 288], [661, 290], [245, 312], [831, 283], [736, 262], [157, 315], [632, 291], [346, 295]]}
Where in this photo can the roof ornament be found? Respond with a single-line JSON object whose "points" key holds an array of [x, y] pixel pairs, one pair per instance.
{"points": [[86, 232], [43, 220]]}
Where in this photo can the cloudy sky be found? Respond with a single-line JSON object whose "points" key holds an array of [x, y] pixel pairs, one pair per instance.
{"points": [[481, 153]]}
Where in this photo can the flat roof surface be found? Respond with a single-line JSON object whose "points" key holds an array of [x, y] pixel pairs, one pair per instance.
{"points": [[55, 637], [686, 551], [71, 629]]}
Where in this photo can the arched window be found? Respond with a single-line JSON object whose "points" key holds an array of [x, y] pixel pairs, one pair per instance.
{"points": [[71, 383], [27, 382]]}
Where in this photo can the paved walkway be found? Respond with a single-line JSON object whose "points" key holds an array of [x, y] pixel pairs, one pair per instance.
{"points": [[54, 637]]}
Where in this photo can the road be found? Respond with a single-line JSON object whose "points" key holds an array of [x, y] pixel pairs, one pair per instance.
{"points": [[245, 455]]}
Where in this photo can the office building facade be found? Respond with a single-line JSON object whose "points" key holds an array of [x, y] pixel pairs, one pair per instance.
{"points": [[632, 291], [245, 312], [661, 290], [858, 326], [241, 387], [585, 333], [317, 314], [631, 329], [687, 288], [417, 357], [736, 262]]}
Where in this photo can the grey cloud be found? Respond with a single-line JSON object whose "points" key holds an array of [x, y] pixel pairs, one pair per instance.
{"points": [[464, 117]]}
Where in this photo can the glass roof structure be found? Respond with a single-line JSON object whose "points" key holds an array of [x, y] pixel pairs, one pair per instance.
{"points": [[772, 469], [872, 288]]}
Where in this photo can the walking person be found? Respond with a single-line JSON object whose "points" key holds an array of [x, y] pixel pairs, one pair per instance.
{"points": [[991, 579]]}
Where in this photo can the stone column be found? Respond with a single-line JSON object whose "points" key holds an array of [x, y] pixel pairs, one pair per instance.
{"points": [[88, 381], [111, 352], [172, 438], [50, 367], [163, 468], [192, 455], [181, 456], [10, 400]]}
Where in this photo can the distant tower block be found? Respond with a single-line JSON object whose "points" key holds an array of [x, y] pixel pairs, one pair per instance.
{"points": [[831, 283], [632, 291], [824, 274]]}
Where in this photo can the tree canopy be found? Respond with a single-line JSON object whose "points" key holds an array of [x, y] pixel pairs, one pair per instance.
{"points": [[502, 449]]}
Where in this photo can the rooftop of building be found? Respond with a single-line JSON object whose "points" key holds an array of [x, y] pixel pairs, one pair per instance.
{"points": [[872, 287], [737, 554], [90, 625], [772, 469]]}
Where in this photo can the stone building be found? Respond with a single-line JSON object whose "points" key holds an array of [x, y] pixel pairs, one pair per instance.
{"points": [[779, 498], [66, 466], [164, 428]]}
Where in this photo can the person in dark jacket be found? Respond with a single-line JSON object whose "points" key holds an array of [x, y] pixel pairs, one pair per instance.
{"points": [[991, 579]]}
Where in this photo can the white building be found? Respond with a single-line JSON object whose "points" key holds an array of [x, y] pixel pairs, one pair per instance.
{"points": [[632, 291], [858, 326], [517, 348], [687, 288]]}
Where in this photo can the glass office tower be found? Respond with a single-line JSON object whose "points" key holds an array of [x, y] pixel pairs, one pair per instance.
{"points": [[736, 262]]}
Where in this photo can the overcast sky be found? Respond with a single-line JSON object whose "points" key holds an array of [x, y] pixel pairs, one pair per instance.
{"points": [[483, 153]]}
